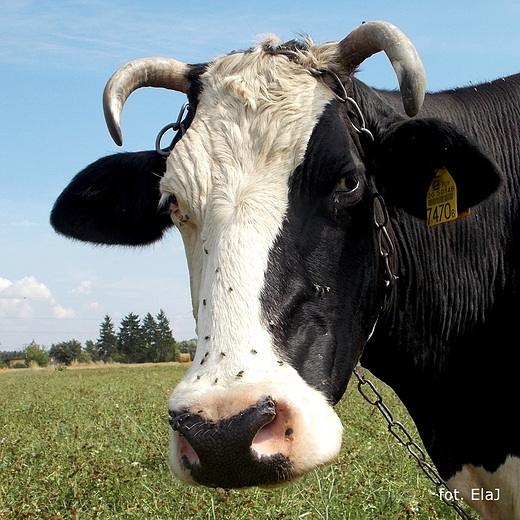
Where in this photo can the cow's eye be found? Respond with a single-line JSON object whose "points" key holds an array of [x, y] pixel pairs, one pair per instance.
{"points": [[347, 194], [347, 185]]}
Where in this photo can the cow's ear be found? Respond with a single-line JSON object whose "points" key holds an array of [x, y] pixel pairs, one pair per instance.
{"points": [[113, 201], [413, 151]]}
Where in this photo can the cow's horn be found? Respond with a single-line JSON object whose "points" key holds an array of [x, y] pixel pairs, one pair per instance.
{"points": [[372, 37], [146, 72]]}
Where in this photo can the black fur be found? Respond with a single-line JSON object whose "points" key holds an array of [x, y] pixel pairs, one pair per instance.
{"points": [[115, 200]]}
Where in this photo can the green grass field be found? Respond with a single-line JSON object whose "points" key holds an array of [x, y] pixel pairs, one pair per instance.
{"points": [[93, 443]]}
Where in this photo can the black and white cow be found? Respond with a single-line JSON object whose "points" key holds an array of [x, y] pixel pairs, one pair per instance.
{"points": [[304, 200]]}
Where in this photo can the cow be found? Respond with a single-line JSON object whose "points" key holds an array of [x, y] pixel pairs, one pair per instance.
{"points": [[324, 222]]}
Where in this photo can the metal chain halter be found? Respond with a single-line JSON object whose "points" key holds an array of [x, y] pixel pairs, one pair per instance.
{"points": [[386, 246], [343, 97], [176, 127]]}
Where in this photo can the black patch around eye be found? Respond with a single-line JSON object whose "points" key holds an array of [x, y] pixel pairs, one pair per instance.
{"points": [[347, 193], [348, 185]]}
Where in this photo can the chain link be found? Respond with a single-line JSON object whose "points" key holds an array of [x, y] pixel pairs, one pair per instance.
{"points": [[404, 438], [386, 246], [343, 97], [176, 127]]}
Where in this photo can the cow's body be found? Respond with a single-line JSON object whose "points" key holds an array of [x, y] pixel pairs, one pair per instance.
{"points": [[447, 346], [275, 194]]}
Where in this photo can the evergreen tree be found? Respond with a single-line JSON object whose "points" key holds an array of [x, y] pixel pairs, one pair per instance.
{"points": [[129, 339], [166, 348], [149, 332], [92, 350], [107, 343]]}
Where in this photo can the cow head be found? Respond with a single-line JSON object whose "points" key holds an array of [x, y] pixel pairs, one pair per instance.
{"points": [[272, 190]]}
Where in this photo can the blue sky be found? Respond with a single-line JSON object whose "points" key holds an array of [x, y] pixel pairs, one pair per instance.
{"points": [[55, 58]]}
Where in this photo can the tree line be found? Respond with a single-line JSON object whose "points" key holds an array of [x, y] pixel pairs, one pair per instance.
{"points": [[137, 341]]}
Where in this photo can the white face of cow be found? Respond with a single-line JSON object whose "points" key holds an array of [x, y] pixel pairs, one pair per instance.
{"points": [[229, 175]]}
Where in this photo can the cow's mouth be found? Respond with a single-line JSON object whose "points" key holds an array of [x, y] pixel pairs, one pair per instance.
{"points": [[247, 449]]}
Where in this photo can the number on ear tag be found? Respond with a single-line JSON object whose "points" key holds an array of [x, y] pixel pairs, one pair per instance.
{"points": [[441, 199]]}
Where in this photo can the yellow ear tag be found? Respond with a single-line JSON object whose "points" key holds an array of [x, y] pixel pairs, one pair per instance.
{"points": [[441, 199]]}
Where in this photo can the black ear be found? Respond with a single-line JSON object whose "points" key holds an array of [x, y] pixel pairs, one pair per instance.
{"points": [[412, 151], [115, 200]]}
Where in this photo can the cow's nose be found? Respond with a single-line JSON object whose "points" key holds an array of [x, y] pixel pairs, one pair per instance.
{"points": [[246, 449]]}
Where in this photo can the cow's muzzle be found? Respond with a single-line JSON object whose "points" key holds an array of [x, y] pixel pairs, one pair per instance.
{"points": [[246, 449]]}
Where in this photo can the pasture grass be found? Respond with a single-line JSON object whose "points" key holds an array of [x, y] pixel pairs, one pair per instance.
{"points": [[81, 444]]}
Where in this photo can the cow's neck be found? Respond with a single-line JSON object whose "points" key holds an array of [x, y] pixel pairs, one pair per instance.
{"points": [[451, 363]]}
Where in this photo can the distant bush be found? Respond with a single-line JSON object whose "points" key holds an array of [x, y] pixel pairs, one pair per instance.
{"points": [[66, 351], [36, 354]]}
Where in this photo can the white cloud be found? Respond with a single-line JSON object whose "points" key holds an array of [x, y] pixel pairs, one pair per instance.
{"points": [[22, 224], [4, 284], [61, 312], [20, 298], [83, 288], [25, 223]]}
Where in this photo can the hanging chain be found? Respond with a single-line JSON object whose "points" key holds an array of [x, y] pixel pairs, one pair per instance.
{"points": [[386, 250], [402, 435], [386, 246]]}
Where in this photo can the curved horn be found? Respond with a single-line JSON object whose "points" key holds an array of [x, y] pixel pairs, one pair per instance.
{"points": [[372, 37], [146, 72]]}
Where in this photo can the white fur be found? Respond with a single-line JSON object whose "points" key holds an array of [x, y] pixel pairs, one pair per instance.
{"points": [[229, 174], [476, 481]]}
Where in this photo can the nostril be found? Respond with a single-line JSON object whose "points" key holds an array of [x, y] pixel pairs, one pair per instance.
{"points": [[273, 437], [187, 454], [177, 418]]}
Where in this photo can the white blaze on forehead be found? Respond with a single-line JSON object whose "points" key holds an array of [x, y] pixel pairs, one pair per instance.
{"points": [[230, 173]]}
